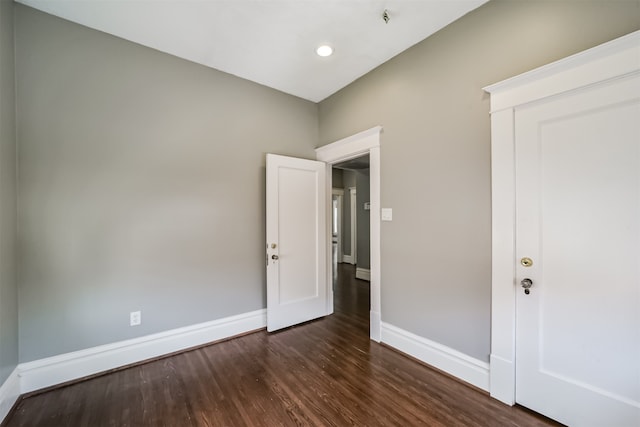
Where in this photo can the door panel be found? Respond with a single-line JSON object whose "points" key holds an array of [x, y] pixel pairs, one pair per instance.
{"points": [[296, 241], [578, 218]]}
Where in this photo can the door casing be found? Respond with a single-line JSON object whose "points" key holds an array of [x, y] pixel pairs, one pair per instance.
{"points": [[365, 142], [611, 60], [353, 222]]}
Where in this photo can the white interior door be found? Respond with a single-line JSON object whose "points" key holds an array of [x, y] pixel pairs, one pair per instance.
{"points": [[578, 219], [296, 241]]}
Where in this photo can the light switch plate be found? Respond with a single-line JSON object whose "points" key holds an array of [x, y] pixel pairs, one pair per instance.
{"points": [[386, 214]]}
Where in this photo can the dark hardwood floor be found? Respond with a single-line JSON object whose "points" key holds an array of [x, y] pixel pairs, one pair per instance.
{"points": [[322, 373]]}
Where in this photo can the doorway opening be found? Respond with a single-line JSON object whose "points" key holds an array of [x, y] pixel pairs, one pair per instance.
{"points": [[351, 183], [366, 143], [351, 225]]}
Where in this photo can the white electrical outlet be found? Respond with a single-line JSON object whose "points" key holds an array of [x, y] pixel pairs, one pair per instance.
{"points": [[135, 318]]}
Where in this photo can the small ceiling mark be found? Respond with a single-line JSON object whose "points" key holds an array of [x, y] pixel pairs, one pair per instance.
{"points": [[385, 16]]}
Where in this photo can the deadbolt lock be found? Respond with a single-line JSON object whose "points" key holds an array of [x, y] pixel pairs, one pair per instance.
{"points": [[526, 262]]}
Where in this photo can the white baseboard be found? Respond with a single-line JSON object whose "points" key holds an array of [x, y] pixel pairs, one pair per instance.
{"points": [[9, 393], [466, 368], [70, 366], [347, 259], [363, 274]]}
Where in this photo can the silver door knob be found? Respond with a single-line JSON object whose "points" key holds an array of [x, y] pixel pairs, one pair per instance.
{"points": [[526, 284], [274, 257]]}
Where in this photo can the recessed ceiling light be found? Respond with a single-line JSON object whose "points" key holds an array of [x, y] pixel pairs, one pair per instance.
{"points": [[324, 50]]}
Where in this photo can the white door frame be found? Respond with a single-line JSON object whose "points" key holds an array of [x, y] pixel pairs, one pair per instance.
{"points": [[353, 221], [366, 142], [339, 194], [608, 61]]}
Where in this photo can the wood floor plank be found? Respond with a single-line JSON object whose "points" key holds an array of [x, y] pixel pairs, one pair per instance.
{"points": [[322, 373]]}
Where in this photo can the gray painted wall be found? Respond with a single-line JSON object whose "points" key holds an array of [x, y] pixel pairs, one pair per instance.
{"points": [[336, 178], [364, 219], [349, 178], [142, 187], [358, 179], [141, 183], [8, 284], [436, 254]]}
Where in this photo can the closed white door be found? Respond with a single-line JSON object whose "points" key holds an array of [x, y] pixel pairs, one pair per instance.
{"points": [[578, 220], [296, 241]]}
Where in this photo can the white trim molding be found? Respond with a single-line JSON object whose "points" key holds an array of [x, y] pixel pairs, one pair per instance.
{"points": [[613, 60], [339, 194], [353, 221], [366, 142], [363, 274], [610, 60], [9, 393], [347, 259], [78, 364], [466, 368], [350, 147]]}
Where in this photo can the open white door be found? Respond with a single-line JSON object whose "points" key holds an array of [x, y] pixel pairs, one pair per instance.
{"points": [[296, 241]]}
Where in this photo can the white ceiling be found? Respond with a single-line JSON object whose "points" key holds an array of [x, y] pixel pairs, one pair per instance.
{"points": [[271, 42]]}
